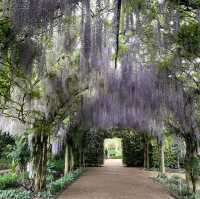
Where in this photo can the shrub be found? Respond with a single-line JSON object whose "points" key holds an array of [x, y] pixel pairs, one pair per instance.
{"points": [[193, 196], [6, 144], [133, 149], [21, 153], [174, 180], [7, 181], [5, 163], [162, 179], [193, 165], [52, 188], [56, 165], [173, 153], [44, 194], [60, 184], [177, 187], [50, 178]]}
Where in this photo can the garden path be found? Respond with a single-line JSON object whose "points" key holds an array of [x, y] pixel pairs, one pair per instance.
{"points": [[113, 181]]}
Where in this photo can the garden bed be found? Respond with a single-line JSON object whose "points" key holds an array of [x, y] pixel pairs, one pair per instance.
{"points": [[10, 190], [177, 187]]}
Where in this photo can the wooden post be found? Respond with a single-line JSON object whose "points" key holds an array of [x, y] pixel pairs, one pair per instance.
{"points": [[66, 170], [162, 157]]}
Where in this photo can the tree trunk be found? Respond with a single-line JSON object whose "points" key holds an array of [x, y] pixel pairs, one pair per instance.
{"points": [[66, 170], [40, 141], [117, 27], [162, 158], [187, 178], [80, 158], [146, 153], [191, 154], [30, 170], [178, 162], [145, 156], [83, 160], [148, 160], [71, 159]]}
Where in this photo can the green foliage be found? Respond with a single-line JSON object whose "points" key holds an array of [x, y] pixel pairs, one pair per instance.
{"points": [[134, 4], [123, 47], [60, 184], [6, 143], [5, 33], [193, 196], [5, 163], [75, 59], [193, 166], [154, 154], [149, 39], [47, 41], [189, 39], [44, 194], [113, 148], [166, 63], [177, 187], [7, 181], [56, 165], [5, 82], [21, 152], [172, 152], [189, 4], [36, 93], [94, 153], [133, 149], [14, 194], [53, 187], [133, 152]]}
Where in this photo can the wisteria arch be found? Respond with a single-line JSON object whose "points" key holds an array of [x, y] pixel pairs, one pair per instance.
{"points": [[97, 64]]}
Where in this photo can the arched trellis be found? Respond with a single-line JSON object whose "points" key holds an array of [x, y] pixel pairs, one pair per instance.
{"points": [[134, 94]]}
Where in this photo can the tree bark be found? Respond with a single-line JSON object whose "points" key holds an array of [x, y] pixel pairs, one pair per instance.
{"points": [[71, 159], [191, 154], [117, 28], [162, 158], [30, 170], [40, 141], [83, 160]]}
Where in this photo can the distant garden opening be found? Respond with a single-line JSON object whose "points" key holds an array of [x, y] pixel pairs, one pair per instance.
{"points": [[113, 148]]}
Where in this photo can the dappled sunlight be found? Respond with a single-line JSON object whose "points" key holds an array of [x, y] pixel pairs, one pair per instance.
{"points": [[113, 163]]}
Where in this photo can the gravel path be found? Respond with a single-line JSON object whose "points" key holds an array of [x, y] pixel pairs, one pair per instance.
{"points": [[113, 181]]}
